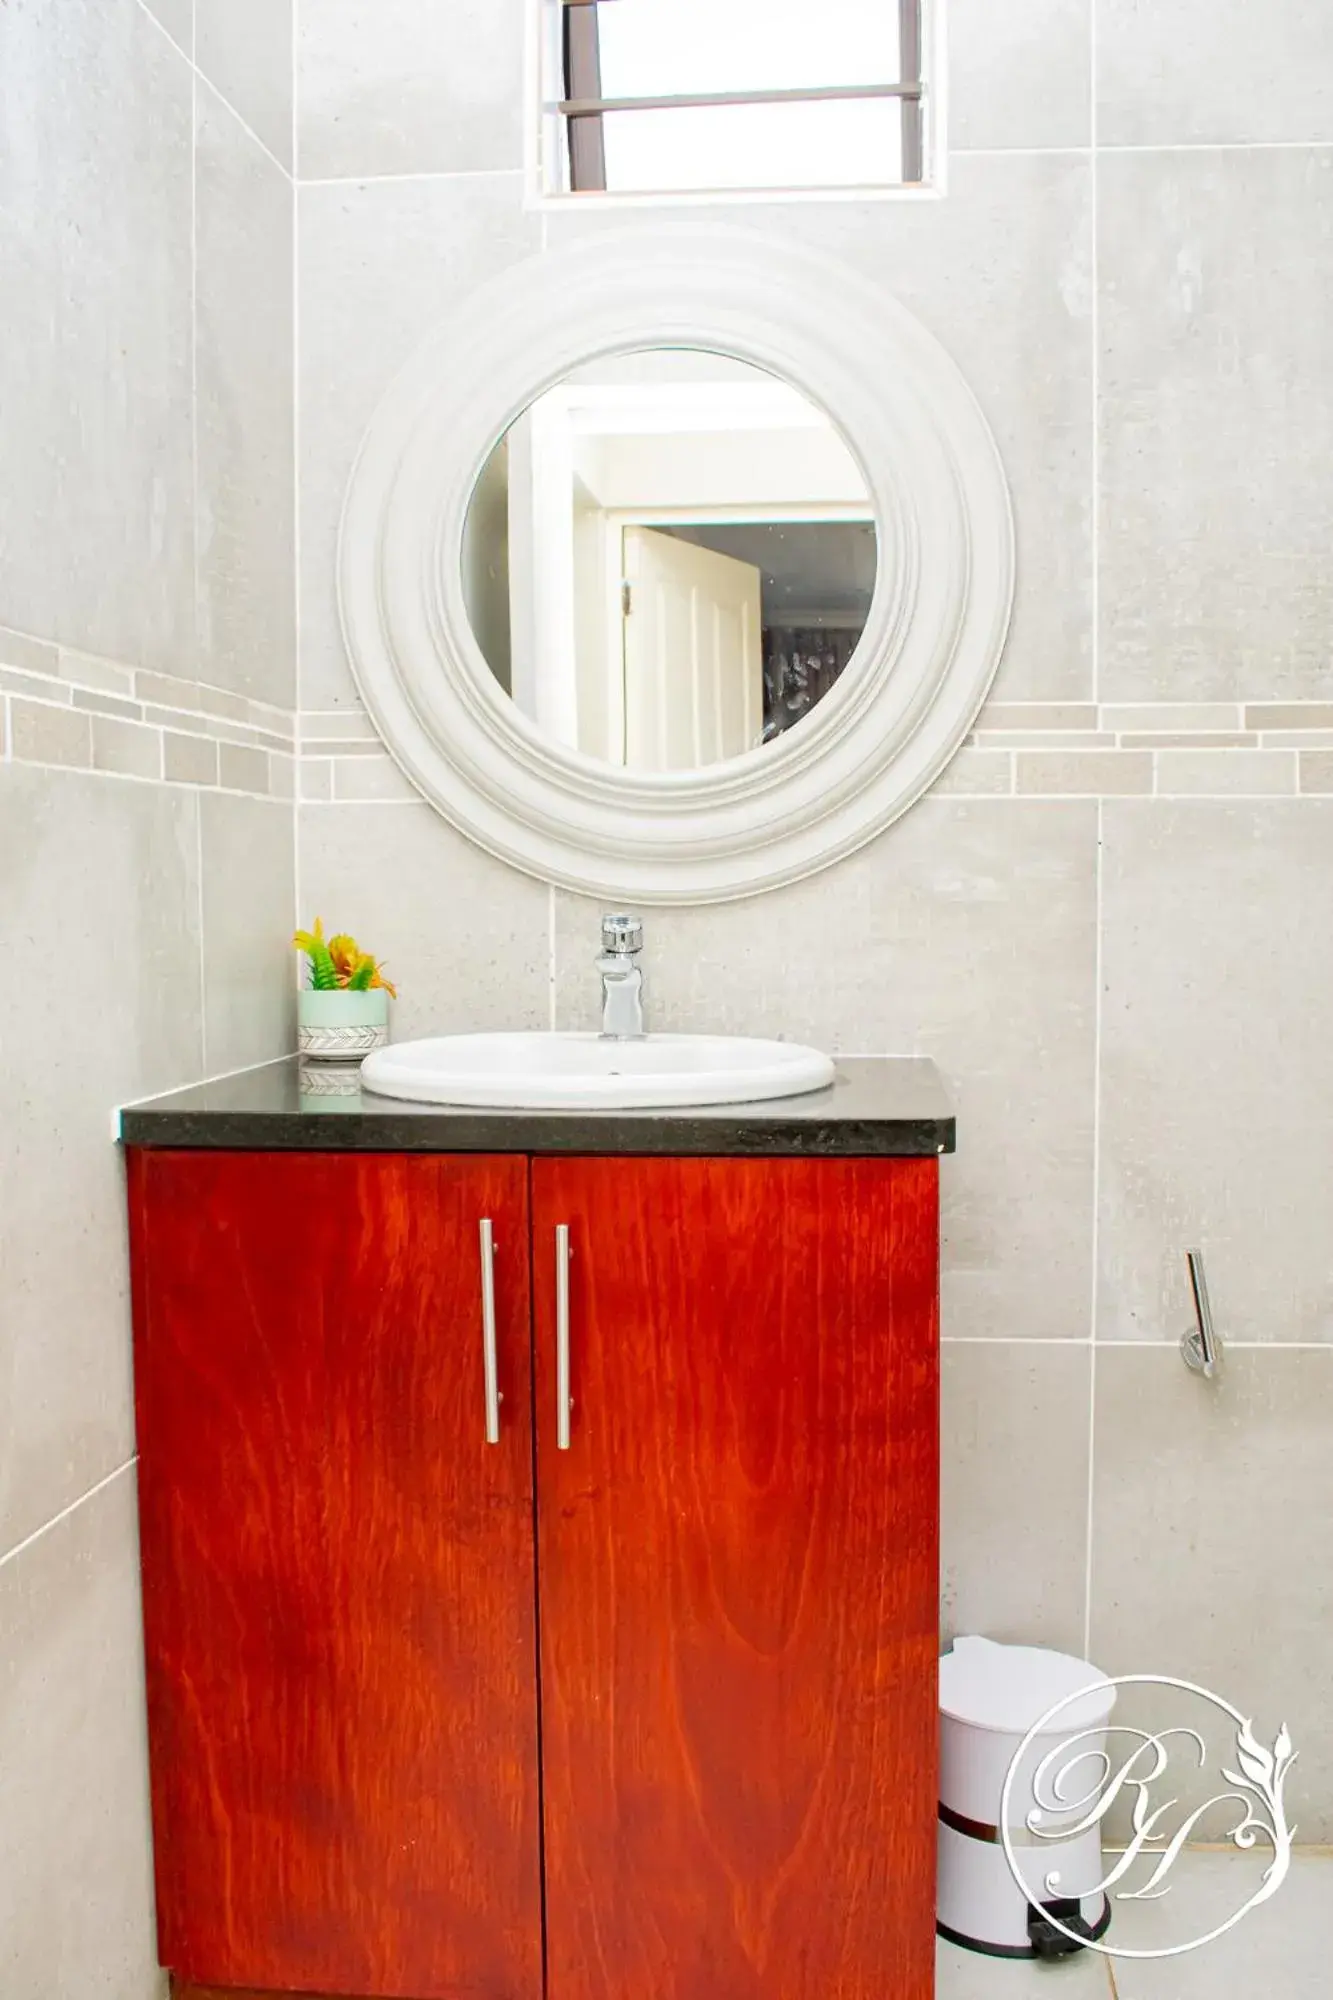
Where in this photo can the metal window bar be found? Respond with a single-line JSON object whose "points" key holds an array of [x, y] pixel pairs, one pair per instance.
{"points": [[584, 106], [583, 80]]}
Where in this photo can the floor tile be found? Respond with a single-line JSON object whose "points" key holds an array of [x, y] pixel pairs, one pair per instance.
{"points": [[1280, 1950], [970, 1975]]}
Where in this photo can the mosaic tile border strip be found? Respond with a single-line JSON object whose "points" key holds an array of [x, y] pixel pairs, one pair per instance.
{"points": [[1265, 749], [62, 707]]}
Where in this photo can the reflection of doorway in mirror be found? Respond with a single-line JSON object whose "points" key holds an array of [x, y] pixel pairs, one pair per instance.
{"points": [[817, 579], [689, 559]]}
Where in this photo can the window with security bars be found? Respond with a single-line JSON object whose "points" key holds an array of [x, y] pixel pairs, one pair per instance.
{"points": [[690, 96]]}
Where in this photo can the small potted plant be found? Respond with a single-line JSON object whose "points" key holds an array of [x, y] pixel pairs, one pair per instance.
{"points": [[343, 1010]]}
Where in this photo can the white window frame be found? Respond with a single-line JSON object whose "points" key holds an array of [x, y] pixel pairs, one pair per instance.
{"points": [[544, 138]]}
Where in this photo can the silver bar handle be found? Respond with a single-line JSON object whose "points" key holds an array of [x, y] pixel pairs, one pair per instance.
{"points": [[563, 1403], [489, 1356], [1201, 1346]]}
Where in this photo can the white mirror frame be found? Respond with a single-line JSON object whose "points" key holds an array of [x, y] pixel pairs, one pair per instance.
{"points": [[901, 708]]}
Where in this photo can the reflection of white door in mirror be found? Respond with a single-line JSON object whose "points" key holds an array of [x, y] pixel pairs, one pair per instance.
{"points": [[694, 664]]}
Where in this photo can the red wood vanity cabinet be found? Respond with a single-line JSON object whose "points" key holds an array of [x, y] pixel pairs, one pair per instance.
{"points": [[650, 1717]]}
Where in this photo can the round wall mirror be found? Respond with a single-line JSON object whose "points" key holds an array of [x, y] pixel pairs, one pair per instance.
{"points": [[669, 559], [672, 570]]}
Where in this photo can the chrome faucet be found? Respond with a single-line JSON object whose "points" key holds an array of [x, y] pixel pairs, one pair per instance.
{"points": [[622, 979]]}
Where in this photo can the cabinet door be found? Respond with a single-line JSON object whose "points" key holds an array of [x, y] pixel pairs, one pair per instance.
{"points": [[738, 1565], [338, 1573]]}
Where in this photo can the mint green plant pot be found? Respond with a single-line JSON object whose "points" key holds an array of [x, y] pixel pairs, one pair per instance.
{"points": [[342, 1026]]}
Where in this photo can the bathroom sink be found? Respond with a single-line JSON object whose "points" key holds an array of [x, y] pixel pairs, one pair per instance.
{"points": [[568, 1072]]}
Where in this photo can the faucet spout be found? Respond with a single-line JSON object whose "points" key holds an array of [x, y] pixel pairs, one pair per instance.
{"points": [[622, 979]]}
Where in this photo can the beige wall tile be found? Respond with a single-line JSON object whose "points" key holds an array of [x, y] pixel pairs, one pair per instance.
{"points": [[1161, 717], [1317, 771], [976, 771], [167, 689], [244, 48], [1217, 71], [1001, 273], [1297, 739], [220, 702], [1216, 273], [1181, 739], [241, 769], [76, 1888], [99, 906], [1019, 76], [465, 937], [96, 507], [315, 779], [1037, 715], [35, 685], [247, 547], [341, 725], [1289, 715], [1212, 1551], [1220, 771], [1217, 1066], [249, 913], [380, 266], [1054, 741], [372, 776], [965, 932], [189, 760], [33, 656], [97, 703], [83, 670], [1087, 772], [1014, 1434], [429, 91], [46, 735], [126, 747]]}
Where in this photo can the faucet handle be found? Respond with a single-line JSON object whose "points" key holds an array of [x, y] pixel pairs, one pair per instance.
{"points": [[622, 933]]}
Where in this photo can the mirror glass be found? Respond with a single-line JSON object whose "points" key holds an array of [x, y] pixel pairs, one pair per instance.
{"points": [[668, 559]]}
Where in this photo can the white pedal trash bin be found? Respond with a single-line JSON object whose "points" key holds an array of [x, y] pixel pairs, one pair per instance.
{"points": [[990, 1697]]}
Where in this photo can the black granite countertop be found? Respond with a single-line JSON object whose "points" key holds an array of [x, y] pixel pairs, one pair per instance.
{"points": [[888, 1105]]}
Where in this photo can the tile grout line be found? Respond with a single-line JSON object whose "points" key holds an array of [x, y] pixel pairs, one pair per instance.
{"points": [[1095, 381], [195, 649], [178, 784], [1113, 1344], [553, 204], [199, 77], [199, 893], [1109, 1963], [424, 174], [10, 1555], [298, 762], [1096, 1227], [1101, 815], [296, 72], [550, 956], [1140, 146]]}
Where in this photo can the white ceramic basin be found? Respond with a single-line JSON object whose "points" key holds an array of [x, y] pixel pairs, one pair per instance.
{"points": [[583, 1072]]}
